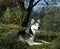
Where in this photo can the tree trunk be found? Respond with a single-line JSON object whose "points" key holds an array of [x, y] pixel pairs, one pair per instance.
{"points": [[29, 10]]}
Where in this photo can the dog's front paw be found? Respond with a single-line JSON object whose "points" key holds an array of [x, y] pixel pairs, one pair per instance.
{"points": [[47, 42]]}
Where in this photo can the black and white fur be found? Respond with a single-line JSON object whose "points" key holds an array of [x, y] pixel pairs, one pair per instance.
{"points": [[27, 35]]}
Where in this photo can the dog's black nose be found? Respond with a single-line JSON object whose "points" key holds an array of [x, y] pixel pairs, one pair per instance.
{"points": [[38, 28]]}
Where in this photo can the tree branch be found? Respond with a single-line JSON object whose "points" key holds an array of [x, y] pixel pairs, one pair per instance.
{"points": [[30, 5], [46, 2], [24, 24], [36, 3]]}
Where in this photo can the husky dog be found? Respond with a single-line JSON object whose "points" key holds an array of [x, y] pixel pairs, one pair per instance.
{"points": [[28, 35]]}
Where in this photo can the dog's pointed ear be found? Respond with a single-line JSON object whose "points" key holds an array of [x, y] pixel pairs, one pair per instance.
{"points": [[32, 21], [38, 21]]}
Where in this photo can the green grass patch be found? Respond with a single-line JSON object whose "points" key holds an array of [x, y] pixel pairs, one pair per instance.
{"points": [[6, 43]]}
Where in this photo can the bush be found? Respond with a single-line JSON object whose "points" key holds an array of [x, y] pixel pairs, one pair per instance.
{"points": [[51, 21]]}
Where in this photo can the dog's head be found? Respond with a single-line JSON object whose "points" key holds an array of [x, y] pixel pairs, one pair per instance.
{"points": [[35, 26]]}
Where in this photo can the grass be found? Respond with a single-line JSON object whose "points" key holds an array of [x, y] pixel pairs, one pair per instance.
{"points": [[6, 43]]}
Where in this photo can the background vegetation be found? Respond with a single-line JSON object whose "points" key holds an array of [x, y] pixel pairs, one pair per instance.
{"points": [[11, 17]]}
